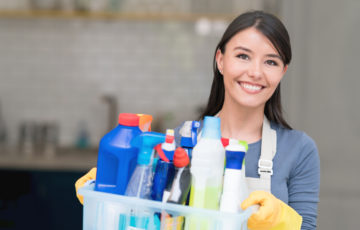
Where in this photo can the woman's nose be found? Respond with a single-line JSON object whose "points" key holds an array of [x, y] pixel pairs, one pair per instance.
{"points": [[255, 70]]}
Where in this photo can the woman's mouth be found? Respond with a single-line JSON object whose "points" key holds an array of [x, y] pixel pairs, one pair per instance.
{"points": [[250, 88]]}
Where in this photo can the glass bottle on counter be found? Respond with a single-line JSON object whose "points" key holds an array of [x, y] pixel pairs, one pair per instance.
{"points": [[3, 132]]}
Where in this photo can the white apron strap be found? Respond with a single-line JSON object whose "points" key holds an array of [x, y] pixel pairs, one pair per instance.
{"points": [[265, 163], [268, 150]]}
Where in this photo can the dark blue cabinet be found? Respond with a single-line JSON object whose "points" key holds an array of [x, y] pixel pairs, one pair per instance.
{"points": [[39, 200]]}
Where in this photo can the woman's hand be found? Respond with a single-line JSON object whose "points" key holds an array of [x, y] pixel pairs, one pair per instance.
{"points": [[272, 214], [91, 175]]}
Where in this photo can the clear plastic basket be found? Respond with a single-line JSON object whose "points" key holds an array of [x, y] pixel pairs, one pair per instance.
{"points": [[105, 211]]}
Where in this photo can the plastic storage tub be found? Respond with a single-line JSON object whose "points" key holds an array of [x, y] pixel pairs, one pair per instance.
{"points": [[105, 211]]}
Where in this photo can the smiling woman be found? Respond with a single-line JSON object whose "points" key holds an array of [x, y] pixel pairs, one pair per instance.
{"points": [[250, 61]]}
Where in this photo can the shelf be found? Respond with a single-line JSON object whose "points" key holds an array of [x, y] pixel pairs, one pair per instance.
{"points": [[113, 15], [64, 160]]}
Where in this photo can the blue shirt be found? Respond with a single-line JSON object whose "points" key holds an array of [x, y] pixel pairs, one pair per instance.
{"points": [[296, 166]]}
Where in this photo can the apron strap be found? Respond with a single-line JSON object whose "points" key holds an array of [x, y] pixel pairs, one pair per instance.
{"points": [[268, 151], [265, 163]]}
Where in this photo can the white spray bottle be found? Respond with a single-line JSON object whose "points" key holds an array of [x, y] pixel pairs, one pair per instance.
{"points": [[235, 188]]}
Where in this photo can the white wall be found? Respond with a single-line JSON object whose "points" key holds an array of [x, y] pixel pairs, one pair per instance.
{"points": [[322, 98], [58, 69]]}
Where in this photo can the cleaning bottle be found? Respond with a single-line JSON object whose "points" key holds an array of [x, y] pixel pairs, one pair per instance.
{"points": [[207, 166], [165, 168], [117, 157], [177, 191], [235, 188], [141, 180], [168, 147], [188, 134]]}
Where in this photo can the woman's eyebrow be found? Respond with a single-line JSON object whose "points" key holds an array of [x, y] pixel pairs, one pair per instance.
{"points": [[273, 56], [243, 48]]}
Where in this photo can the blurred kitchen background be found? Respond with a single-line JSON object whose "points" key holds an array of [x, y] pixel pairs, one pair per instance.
{"points": [[68, 67]]}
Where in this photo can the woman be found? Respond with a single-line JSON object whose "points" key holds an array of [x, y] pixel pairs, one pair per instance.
{"points": [[250, 60], [282, 165]]}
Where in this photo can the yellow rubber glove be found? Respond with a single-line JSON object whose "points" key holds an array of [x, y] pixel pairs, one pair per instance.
{"points": [[273, 213], [91, 175]]}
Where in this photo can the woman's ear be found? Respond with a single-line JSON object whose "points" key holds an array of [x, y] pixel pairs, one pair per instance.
{"points": [[219, 60], [285, 69]]}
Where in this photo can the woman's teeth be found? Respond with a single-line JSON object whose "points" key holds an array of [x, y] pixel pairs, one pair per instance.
{"points": [[251, 87]]}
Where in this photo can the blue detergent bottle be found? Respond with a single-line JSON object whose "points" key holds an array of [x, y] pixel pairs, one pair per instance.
{"points": [[117, 157], [141, 180]]}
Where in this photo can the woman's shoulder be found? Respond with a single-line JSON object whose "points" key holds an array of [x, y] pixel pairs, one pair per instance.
{"points": [[292, 135], [299, 142], [299, 151]]}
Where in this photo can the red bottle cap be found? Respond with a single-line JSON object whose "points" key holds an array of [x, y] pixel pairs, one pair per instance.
{"points": [[169, 139], [225, 141], [181, 158], [129, 119]]}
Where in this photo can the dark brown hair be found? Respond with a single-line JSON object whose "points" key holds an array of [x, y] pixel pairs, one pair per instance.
{"points": [[271, 27]]}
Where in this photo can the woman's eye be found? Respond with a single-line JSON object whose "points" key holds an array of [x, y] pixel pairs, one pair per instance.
{"points": [[271, 62], [243, 56]]}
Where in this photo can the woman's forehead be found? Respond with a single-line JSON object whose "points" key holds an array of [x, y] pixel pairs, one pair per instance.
{"points": [[251, 39]]}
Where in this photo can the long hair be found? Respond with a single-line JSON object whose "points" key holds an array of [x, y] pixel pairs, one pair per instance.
{"points": [[272, 28]]}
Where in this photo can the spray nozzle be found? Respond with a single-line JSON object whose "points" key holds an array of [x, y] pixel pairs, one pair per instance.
{"points": [[188, 133], [166, 150], [169, 136], [145, 122], [194, 128], [161, 153], [146, 142], [185, 130]]}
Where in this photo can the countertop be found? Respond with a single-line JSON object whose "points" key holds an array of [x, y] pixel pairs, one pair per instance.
{"points": [[63, 160]]}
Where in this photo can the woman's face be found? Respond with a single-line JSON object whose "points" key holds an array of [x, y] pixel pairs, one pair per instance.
{"points": [[251, 67]]}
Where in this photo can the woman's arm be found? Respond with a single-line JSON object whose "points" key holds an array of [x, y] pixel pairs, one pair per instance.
{"points": [[304, 183]]}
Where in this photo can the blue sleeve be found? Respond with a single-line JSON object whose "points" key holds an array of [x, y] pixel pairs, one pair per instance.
{"points": [[304, 182]]}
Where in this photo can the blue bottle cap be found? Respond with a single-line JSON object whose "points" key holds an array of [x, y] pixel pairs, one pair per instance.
{"points": [[234, 159], [235, 153], [211, 128]]}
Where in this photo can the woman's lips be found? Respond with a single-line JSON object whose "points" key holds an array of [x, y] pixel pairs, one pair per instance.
{"points": [[250, 88]]}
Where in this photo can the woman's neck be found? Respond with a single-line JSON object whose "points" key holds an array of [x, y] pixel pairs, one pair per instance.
{"points": [[242, 124]]}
